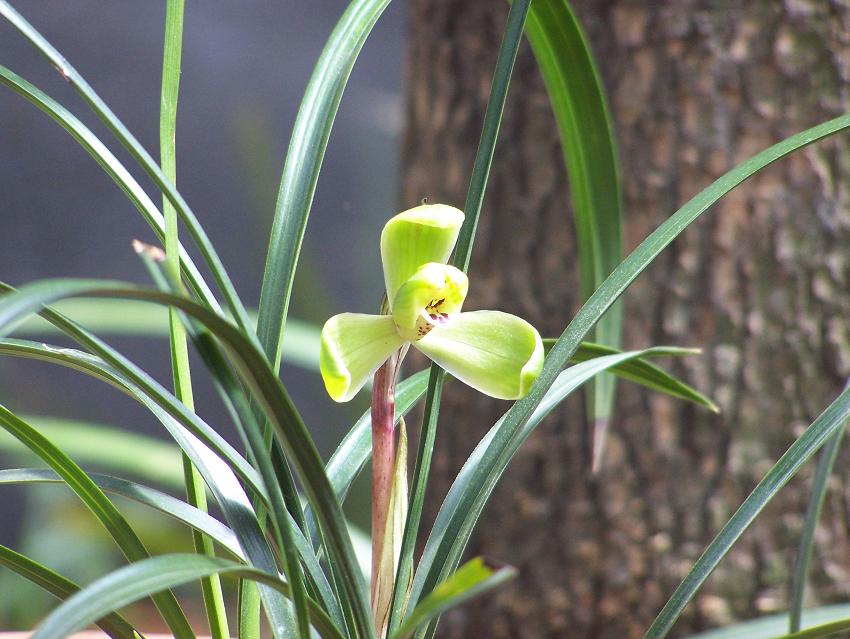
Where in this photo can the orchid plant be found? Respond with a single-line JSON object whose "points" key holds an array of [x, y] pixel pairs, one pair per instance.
{"points": [[496, 353], [282, 533]]}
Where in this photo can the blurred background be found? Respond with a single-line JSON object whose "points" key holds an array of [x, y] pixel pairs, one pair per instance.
{"points": [[245, 67]]}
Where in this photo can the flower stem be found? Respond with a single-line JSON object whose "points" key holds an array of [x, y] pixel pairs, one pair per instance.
{"points": [[383, 456]]}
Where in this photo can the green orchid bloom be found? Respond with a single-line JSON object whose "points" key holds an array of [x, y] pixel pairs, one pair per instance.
{"points": [[496, 353]]}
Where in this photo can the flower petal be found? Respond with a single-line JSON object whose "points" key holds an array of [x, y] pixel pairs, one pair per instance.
{"points": [[430, 297], [496, 353], [353, 347], [415, 237]]}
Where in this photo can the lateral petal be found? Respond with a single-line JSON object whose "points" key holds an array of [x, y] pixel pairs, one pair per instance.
{"points": [[354, 345], [496, 353]]}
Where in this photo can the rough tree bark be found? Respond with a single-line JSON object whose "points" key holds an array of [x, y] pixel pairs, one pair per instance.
{"points": [[761, 284]]}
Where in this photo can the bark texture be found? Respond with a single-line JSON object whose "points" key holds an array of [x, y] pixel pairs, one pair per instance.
{"points": [[761, 284]]}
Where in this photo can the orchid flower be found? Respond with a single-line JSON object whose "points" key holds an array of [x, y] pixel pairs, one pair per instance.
{"points": [[496, 353]]}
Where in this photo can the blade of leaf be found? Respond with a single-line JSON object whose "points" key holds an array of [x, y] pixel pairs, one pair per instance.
{"points": [[636, 262], [113, 624], [162, 502], [644, 373], [481, 472], [772, 626], [307, 147], [807, 538], [100, 506], [174, 508], [108, 447], [138, 319], [137, 151], [584, 124], [828, 423], [463, 253], [472, 579], [130, 583], [195, 490]]}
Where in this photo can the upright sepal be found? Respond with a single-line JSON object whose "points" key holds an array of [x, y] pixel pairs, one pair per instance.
{"points": [[496, 353], [353, 347], [420, 235]]}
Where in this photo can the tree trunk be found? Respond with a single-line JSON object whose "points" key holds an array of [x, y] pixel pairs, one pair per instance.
{"points": [[760, 284]]}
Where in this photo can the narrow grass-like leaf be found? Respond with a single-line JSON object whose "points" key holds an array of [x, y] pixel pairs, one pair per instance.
{"points": [[130, 583], [826, 425], [772, 626], [113, 624], [581, 113], [137, 151], [481, 472], [614, 286], [195, 489], [108, 447], [100, 506], [644, 373], [255, 372], [303, 162], [806, 546], [825, 630], [463, 254], [472, 579], [164, 503], [138, 319]]}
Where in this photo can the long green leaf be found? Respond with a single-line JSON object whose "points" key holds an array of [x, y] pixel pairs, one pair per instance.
{"points": [[98, 369], [130, 583], [108, 447], [827, 424], [644, 373], [584, 124], [195, 491], [806, 545], [100, 506], [472, 579], [113, 624], [137, 319], [478, 477], [164, 503], [772, 626], [136, 150], [256, 373], [614, 286], [463, 254], [303, 162]]}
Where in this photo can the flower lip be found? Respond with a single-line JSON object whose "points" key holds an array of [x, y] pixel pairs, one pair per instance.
{"points": [[429, 298]]}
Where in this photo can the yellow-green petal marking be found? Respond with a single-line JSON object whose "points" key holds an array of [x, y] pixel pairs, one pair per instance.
{"points": [[353, 347], [496, 353]]}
